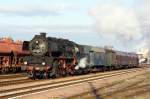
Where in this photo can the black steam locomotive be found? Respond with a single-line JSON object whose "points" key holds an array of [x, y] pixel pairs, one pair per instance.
{"points": [[52, 57]]}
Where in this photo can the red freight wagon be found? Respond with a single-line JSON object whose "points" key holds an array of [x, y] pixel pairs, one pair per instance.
{"points": [[11, 55]]}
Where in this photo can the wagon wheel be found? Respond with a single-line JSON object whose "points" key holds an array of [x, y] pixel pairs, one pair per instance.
{"points": [[14, 69], [46, 75], [7, 70], [62, 70], [55, 70], [104, 68], [72, 70], [64, 73], [33, 75], [3, 70]]}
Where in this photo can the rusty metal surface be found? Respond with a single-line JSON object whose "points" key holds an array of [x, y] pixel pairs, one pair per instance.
{"points": [[7, 45]]}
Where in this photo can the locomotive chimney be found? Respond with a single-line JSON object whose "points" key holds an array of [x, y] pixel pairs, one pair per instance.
{"points": [[43, 34]]}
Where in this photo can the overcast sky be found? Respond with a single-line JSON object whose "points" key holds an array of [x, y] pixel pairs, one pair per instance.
{"points": [[123, 24]]}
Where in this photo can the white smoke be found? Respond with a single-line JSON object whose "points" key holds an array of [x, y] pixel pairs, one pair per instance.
{"points": [[82, 63], [143, 16], [117, 21], [144, 49], [126, 25]]}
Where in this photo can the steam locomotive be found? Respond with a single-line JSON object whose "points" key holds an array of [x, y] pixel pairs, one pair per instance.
{"points": [[52, 57]]}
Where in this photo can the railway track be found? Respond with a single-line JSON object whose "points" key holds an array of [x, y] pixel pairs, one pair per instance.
{"points": [[122, 89], [112, 89], [134, 91], [12, 75], [11, 79], [16, 78], [47, 85], [129, 91], [138, 90], [12, 82], [21, 80]]}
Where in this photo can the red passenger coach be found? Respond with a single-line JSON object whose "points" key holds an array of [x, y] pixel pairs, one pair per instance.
{"points": [[126, 59], [11, 55]]}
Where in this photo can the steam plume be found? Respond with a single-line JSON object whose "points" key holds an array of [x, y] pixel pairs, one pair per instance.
{"points": [[127, 25], [82, 63]]}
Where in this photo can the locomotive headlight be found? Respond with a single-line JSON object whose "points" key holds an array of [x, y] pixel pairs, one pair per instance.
{"points": [[25, 63], [43, 63], [36, 42]]}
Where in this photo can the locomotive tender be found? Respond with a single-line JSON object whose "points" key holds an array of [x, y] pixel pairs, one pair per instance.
{"points": [[53, 57]]}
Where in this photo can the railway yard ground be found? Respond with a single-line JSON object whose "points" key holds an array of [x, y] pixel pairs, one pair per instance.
{"points": [[118, 84]]}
